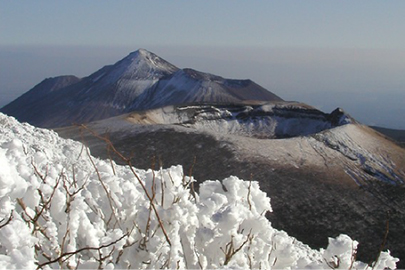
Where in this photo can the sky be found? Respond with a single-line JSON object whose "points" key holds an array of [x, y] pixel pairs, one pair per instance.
{"points": [[329, 54]]}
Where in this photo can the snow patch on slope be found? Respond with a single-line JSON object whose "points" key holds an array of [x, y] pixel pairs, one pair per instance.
{"points": [[354, 143]]}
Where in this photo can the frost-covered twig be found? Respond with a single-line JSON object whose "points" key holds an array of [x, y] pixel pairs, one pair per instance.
{"points": [[151, 202], [230, 250], [333, 264], [127, 244], [31, 220], [354, 256], [162, 187], [43, 177], [142, 243], [45, 203], [198, 257], [109, 197], [65, 256], [248, 195], [153, 186], [192, 191], [111, 160], [72, 231], [70, 195], [129, 163], [62, 246], [101, 258], [248, 253], [7, 221]]}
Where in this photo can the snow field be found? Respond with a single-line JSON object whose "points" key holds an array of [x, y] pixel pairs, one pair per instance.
{"points": [[62, 208]]}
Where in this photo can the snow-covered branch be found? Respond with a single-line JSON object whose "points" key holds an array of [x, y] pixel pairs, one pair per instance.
{"points": [[56, 203]]}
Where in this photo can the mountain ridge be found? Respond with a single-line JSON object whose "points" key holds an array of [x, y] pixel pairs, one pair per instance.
{"points": [[141, 80], [23, 104]]}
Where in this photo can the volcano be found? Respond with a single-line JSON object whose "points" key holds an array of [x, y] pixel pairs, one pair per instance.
{"points": [[326, 173], [140, 81]]}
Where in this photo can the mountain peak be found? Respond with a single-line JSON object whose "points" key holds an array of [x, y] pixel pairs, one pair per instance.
{"points": [[142, 53], [144, 64], [340, 117]]}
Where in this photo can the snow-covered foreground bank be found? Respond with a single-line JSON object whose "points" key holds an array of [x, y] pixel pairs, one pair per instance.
{"points": [[62, 208]]}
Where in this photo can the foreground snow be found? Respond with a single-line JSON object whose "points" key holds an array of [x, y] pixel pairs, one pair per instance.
{"points": [[62, 208]]}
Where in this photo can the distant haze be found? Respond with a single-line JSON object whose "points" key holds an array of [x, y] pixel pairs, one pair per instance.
{"points": [[367, 83]]}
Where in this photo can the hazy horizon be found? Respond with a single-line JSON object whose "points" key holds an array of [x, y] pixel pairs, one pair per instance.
{"points": [[328, 54]]}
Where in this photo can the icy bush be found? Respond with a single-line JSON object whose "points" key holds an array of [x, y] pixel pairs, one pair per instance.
{"points": [[62, 208]]}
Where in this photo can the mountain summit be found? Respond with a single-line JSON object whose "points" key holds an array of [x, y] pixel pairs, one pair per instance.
{"points": [[142, 80], [142, 65]]}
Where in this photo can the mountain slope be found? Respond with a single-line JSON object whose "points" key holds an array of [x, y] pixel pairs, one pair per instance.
{"points": [[105, 93], [395, 134], [63, 209], [25, 104], [142, 80], [329, 176], [190, 86]]}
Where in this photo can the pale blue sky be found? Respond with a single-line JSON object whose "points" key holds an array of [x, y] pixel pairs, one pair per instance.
{"points": [[348, 54], [309, 23]]}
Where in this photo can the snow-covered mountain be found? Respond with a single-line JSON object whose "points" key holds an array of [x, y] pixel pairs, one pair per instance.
{"points": [[321, 170], [188, 86], [62, 208], [142, 80], [354, 146], [325, 172]]}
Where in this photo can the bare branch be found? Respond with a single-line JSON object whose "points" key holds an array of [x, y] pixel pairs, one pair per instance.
{"points": [[387, 229], [45, 204], [333, 264], [37, 226], [127, 244], [70, 254], [230, 251], [43, 177], [153, 179], [129, 163], [110, 199], [248, 195], [162, 187], [8, 220], [142, 243]]}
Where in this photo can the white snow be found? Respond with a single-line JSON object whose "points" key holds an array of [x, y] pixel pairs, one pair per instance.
{"points": [[142, 64], [71, 210], [130, 77]]}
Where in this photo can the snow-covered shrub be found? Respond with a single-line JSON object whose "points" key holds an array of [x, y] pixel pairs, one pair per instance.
{"points": [[62, 208]]}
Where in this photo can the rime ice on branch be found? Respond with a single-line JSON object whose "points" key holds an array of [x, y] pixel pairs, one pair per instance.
{"points": [[62, 208]]}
